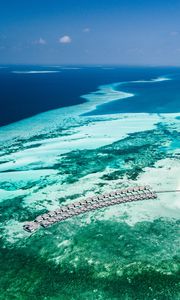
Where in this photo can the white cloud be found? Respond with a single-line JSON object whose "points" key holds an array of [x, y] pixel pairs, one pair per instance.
{"points": [[66, 39], [87, 29], [42, 41]]}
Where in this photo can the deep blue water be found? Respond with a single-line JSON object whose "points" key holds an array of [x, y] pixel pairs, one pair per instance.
{"points": [[24, 95], [149, 97]]}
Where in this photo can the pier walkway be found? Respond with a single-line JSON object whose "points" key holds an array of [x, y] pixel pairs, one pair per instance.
{"points": [[64, 212]]}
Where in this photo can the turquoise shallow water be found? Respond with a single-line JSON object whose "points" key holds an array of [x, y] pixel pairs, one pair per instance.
{"points": [[125, 252], [148, 97]]}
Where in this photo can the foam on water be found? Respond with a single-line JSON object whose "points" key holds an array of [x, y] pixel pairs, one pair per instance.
{"points": [[35, 72]]}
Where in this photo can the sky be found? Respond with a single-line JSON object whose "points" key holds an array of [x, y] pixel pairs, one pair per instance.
{"points": [[130, 32]]}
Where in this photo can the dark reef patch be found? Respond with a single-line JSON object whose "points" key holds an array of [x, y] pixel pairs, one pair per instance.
{"points": [[127, 157], [14, 209], [139, 268]]}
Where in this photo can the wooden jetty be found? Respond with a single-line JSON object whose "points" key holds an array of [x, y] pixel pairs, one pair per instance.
{"points": [[64, 212]]}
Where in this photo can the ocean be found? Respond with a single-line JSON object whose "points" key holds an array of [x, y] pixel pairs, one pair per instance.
{"points": [[29, 90], [71, 132]]}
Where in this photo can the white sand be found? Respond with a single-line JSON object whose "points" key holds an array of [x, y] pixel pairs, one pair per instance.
{"points": [[165, 176], [91, 136]]}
